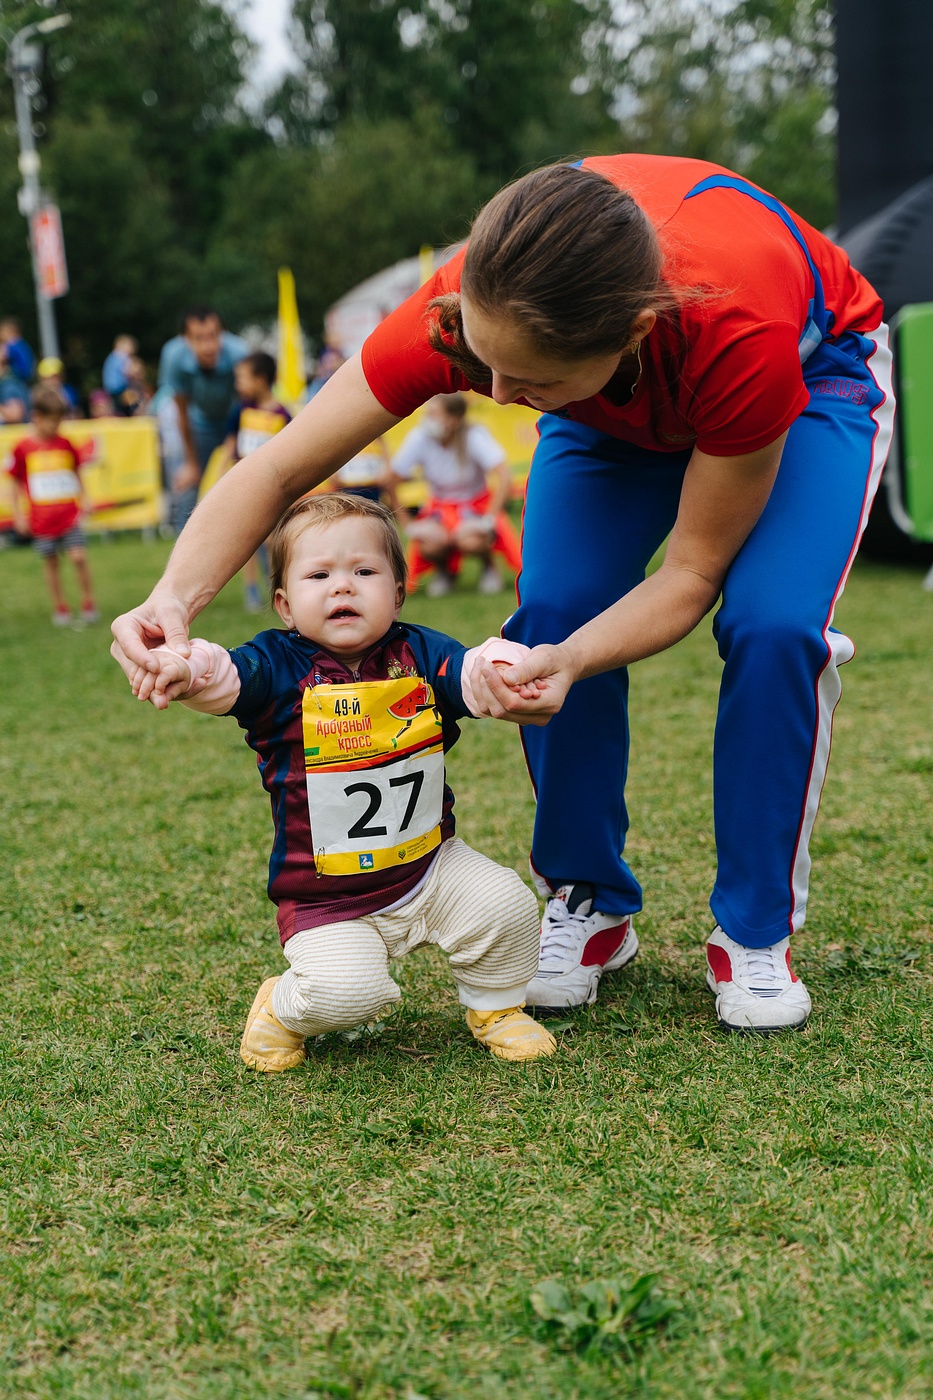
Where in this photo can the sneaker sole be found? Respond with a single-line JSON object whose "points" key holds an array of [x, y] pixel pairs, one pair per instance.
{"points": [[735, 1029]]}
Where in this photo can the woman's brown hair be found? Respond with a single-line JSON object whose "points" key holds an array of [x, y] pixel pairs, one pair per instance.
{"points": [[565, 254]]}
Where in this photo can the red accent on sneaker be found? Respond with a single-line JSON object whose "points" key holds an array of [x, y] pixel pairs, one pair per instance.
{"points": [[793, 975], [719, 961], [600, 948]]}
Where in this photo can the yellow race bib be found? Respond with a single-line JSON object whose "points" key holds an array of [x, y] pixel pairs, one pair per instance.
{"points": [[52, 477], [374, 759]]}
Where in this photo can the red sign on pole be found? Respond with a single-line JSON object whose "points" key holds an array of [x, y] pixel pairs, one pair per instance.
{"points": [[49, 248]]}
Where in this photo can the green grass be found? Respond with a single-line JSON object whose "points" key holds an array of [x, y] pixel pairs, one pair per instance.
{"points": [[373, 1224]]}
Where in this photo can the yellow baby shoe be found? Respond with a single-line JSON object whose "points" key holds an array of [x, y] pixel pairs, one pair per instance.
{"points": [[510, 1034], [266, 1044]]}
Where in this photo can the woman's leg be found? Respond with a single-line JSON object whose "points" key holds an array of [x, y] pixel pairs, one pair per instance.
{"points": [[596, 511], [781, 680]]}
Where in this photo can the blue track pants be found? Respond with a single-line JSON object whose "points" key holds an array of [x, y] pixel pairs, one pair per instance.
{"points": [[596, 511]]}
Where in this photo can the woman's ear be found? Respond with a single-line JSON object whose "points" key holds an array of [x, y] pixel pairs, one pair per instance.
{"points": [[280, 603], [644, 323]]}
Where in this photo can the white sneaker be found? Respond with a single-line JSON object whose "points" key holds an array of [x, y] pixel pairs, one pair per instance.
{"points": [[755, 988], [490, 581], [440, 585], [578, 944]]}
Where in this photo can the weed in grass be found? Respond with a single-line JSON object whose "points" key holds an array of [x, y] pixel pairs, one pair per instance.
{"points": [[603, 1316]]}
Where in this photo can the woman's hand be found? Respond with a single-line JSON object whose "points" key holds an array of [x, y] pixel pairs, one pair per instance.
{"points": [[529, 692], [161, 621]]}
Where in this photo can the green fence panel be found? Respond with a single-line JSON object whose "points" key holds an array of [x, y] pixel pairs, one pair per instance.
{"points": [[913, 349]]}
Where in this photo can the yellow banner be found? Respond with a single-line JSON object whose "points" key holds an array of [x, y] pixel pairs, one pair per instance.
{"points": [[122, 480]]}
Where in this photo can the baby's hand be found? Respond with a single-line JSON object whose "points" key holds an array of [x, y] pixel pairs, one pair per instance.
{"points": [[528, 690], [161, 687]]}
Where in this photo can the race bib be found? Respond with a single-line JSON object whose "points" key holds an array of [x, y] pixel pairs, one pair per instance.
{"points": [[365, 469], [257, 426], [52, 478], [374, 759]]}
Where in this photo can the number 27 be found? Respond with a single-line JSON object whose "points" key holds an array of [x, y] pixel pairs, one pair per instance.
{"points": [[359, 831]]}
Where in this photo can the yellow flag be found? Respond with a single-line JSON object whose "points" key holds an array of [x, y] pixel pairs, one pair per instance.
{"points": [[425, 263], [291, 356]]}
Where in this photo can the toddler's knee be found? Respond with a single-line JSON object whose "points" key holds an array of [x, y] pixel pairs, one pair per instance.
{"points": [[500, 946], [340, 1003], [521, 898]]}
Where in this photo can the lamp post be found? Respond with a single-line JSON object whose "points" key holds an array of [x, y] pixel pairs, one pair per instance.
{"points": [[23, 64]]}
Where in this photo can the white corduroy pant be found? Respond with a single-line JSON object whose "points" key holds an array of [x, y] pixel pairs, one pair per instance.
{"points": [[482, 915]]}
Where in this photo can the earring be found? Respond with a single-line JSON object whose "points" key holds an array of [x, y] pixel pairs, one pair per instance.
{"points": [[633, 348]]}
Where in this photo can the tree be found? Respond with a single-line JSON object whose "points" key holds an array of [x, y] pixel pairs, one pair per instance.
{"points": [[507, 77], [404, 116], [338, 215], [749, 86], [129, 270], [139, 127]]}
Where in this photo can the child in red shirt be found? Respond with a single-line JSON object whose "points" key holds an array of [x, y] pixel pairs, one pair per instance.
{"points": [[46, 465]]}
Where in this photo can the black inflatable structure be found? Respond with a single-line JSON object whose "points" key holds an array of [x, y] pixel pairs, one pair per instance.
{"points": [[894, 248], [884, 95]]}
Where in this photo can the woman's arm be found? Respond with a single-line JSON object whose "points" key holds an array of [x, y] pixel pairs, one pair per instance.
{"points": [[721, 501], [238, 513]]}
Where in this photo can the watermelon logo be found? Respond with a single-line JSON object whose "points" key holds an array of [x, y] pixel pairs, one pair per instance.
{"points": [[410, 706]]}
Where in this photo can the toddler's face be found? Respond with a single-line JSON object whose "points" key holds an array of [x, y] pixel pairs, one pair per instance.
{"points": [[339, 589], [46, 424], [248, 385]]}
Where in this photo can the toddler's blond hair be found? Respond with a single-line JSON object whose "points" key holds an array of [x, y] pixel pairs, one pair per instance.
{"points": [[327, 510]]}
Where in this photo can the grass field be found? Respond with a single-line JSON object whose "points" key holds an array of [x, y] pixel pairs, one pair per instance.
{"points": [[373, 1224]]}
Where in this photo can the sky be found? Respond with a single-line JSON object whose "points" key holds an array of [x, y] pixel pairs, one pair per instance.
{"points": [[264, 21]]}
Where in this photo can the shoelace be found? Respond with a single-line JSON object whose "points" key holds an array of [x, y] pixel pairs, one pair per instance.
{"points": [[561, 932], [764, 978]]}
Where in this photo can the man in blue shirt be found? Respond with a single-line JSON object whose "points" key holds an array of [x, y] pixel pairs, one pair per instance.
{"points": [[22, 360], [14, 394], [197, 367]]}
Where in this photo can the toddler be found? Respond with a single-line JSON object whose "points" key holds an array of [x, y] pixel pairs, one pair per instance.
{"points": [[257, 417], [46, 466], [350, 713]]}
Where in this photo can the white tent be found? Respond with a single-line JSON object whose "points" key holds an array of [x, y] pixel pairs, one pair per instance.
{"points": [[359, 311]]}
